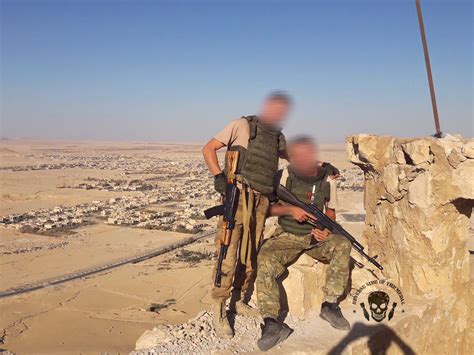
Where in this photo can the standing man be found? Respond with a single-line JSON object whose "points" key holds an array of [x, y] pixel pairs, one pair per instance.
{"points": [[310, 181], [260, 144]]}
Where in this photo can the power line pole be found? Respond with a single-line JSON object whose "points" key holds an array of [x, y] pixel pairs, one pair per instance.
{"points": [[438, 133]]}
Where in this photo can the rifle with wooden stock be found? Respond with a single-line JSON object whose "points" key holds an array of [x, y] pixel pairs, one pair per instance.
{"points": [[228, 209]]}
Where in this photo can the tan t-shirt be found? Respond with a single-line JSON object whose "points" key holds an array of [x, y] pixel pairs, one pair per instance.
{"points": [[235, 133]]}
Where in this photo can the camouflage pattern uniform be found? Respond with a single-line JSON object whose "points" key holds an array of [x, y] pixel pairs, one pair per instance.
{"points": [[291, 239], [282, 249]]}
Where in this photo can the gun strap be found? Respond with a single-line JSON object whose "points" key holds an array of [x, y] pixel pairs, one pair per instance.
{"points": [[248, 199]]}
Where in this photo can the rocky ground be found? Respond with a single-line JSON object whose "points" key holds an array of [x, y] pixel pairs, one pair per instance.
{"points": [[311, 335], [197, 336]]}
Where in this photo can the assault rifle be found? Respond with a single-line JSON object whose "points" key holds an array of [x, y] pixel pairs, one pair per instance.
{"points": [[228, 210], [321, 221]]}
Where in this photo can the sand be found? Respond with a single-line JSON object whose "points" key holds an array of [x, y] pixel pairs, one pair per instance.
{"points": [[106, 312]]}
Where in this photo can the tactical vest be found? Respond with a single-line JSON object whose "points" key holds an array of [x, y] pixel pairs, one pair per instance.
{"points": [[258, 164], [302, 187]]}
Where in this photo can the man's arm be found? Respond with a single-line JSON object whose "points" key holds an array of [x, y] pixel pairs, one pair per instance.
{"points": [[321, 235], [209, 151], [278, 210], [331, 213]]}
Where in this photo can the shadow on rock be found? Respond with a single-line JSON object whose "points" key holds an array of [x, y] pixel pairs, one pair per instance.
{"points": [[380, 339]]}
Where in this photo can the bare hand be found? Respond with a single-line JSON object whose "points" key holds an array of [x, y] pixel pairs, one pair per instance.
{"points": [[299, 214], [320, 235]]}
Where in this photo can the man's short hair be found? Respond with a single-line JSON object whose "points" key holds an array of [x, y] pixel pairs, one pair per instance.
{"points": [[281, 96], [302, 139]]}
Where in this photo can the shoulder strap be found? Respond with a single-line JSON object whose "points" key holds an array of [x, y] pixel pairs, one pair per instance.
{"points": [[282, 145], [330, 169], [281, 178], [277, 179], [252, 126]]}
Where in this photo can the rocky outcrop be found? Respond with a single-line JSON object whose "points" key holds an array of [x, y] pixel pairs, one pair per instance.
{"points": [[419, 195], [302, 287]]}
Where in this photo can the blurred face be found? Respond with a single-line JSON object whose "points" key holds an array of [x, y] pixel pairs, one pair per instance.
{"points": [[303, 158], [274, 112]]}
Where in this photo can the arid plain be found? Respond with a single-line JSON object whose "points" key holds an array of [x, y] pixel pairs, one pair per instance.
{"points": [[71, 206]]}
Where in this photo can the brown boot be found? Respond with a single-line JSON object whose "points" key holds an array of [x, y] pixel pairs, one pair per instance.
{"points": [[239, 304], [244, 309], [220, 321]]}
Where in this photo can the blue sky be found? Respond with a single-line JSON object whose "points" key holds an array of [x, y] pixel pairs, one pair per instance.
{"points": [[180, 70]]}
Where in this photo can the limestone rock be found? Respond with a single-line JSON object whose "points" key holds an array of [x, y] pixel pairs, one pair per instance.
{"points": [[303, 286], [399, 156], [451, 142], [462, 180], [455, 158], [418, 151], [418, 207], [367, 150], [468, 150], [419, 192]]}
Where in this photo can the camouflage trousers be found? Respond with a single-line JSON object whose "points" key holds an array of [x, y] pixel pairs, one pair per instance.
{"points": [[238, 273], [284, 248]]}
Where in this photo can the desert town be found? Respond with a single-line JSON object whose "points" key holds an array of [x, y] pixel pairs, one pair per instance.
{"points": [[182, 197], [181, 190]]}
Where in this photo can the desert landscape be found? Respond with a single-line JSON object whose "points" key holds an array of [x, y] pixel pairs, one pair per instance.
{"points": [[73, 208]]}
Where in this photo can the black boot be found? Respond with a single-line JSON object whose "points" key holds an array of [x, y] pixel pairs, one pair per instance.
{"points": [[331, 312], [273, 332]]}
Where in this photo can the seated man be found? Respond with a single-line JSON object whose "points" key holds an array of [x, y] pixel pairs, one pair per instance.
{"points": [[310, 181]]}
